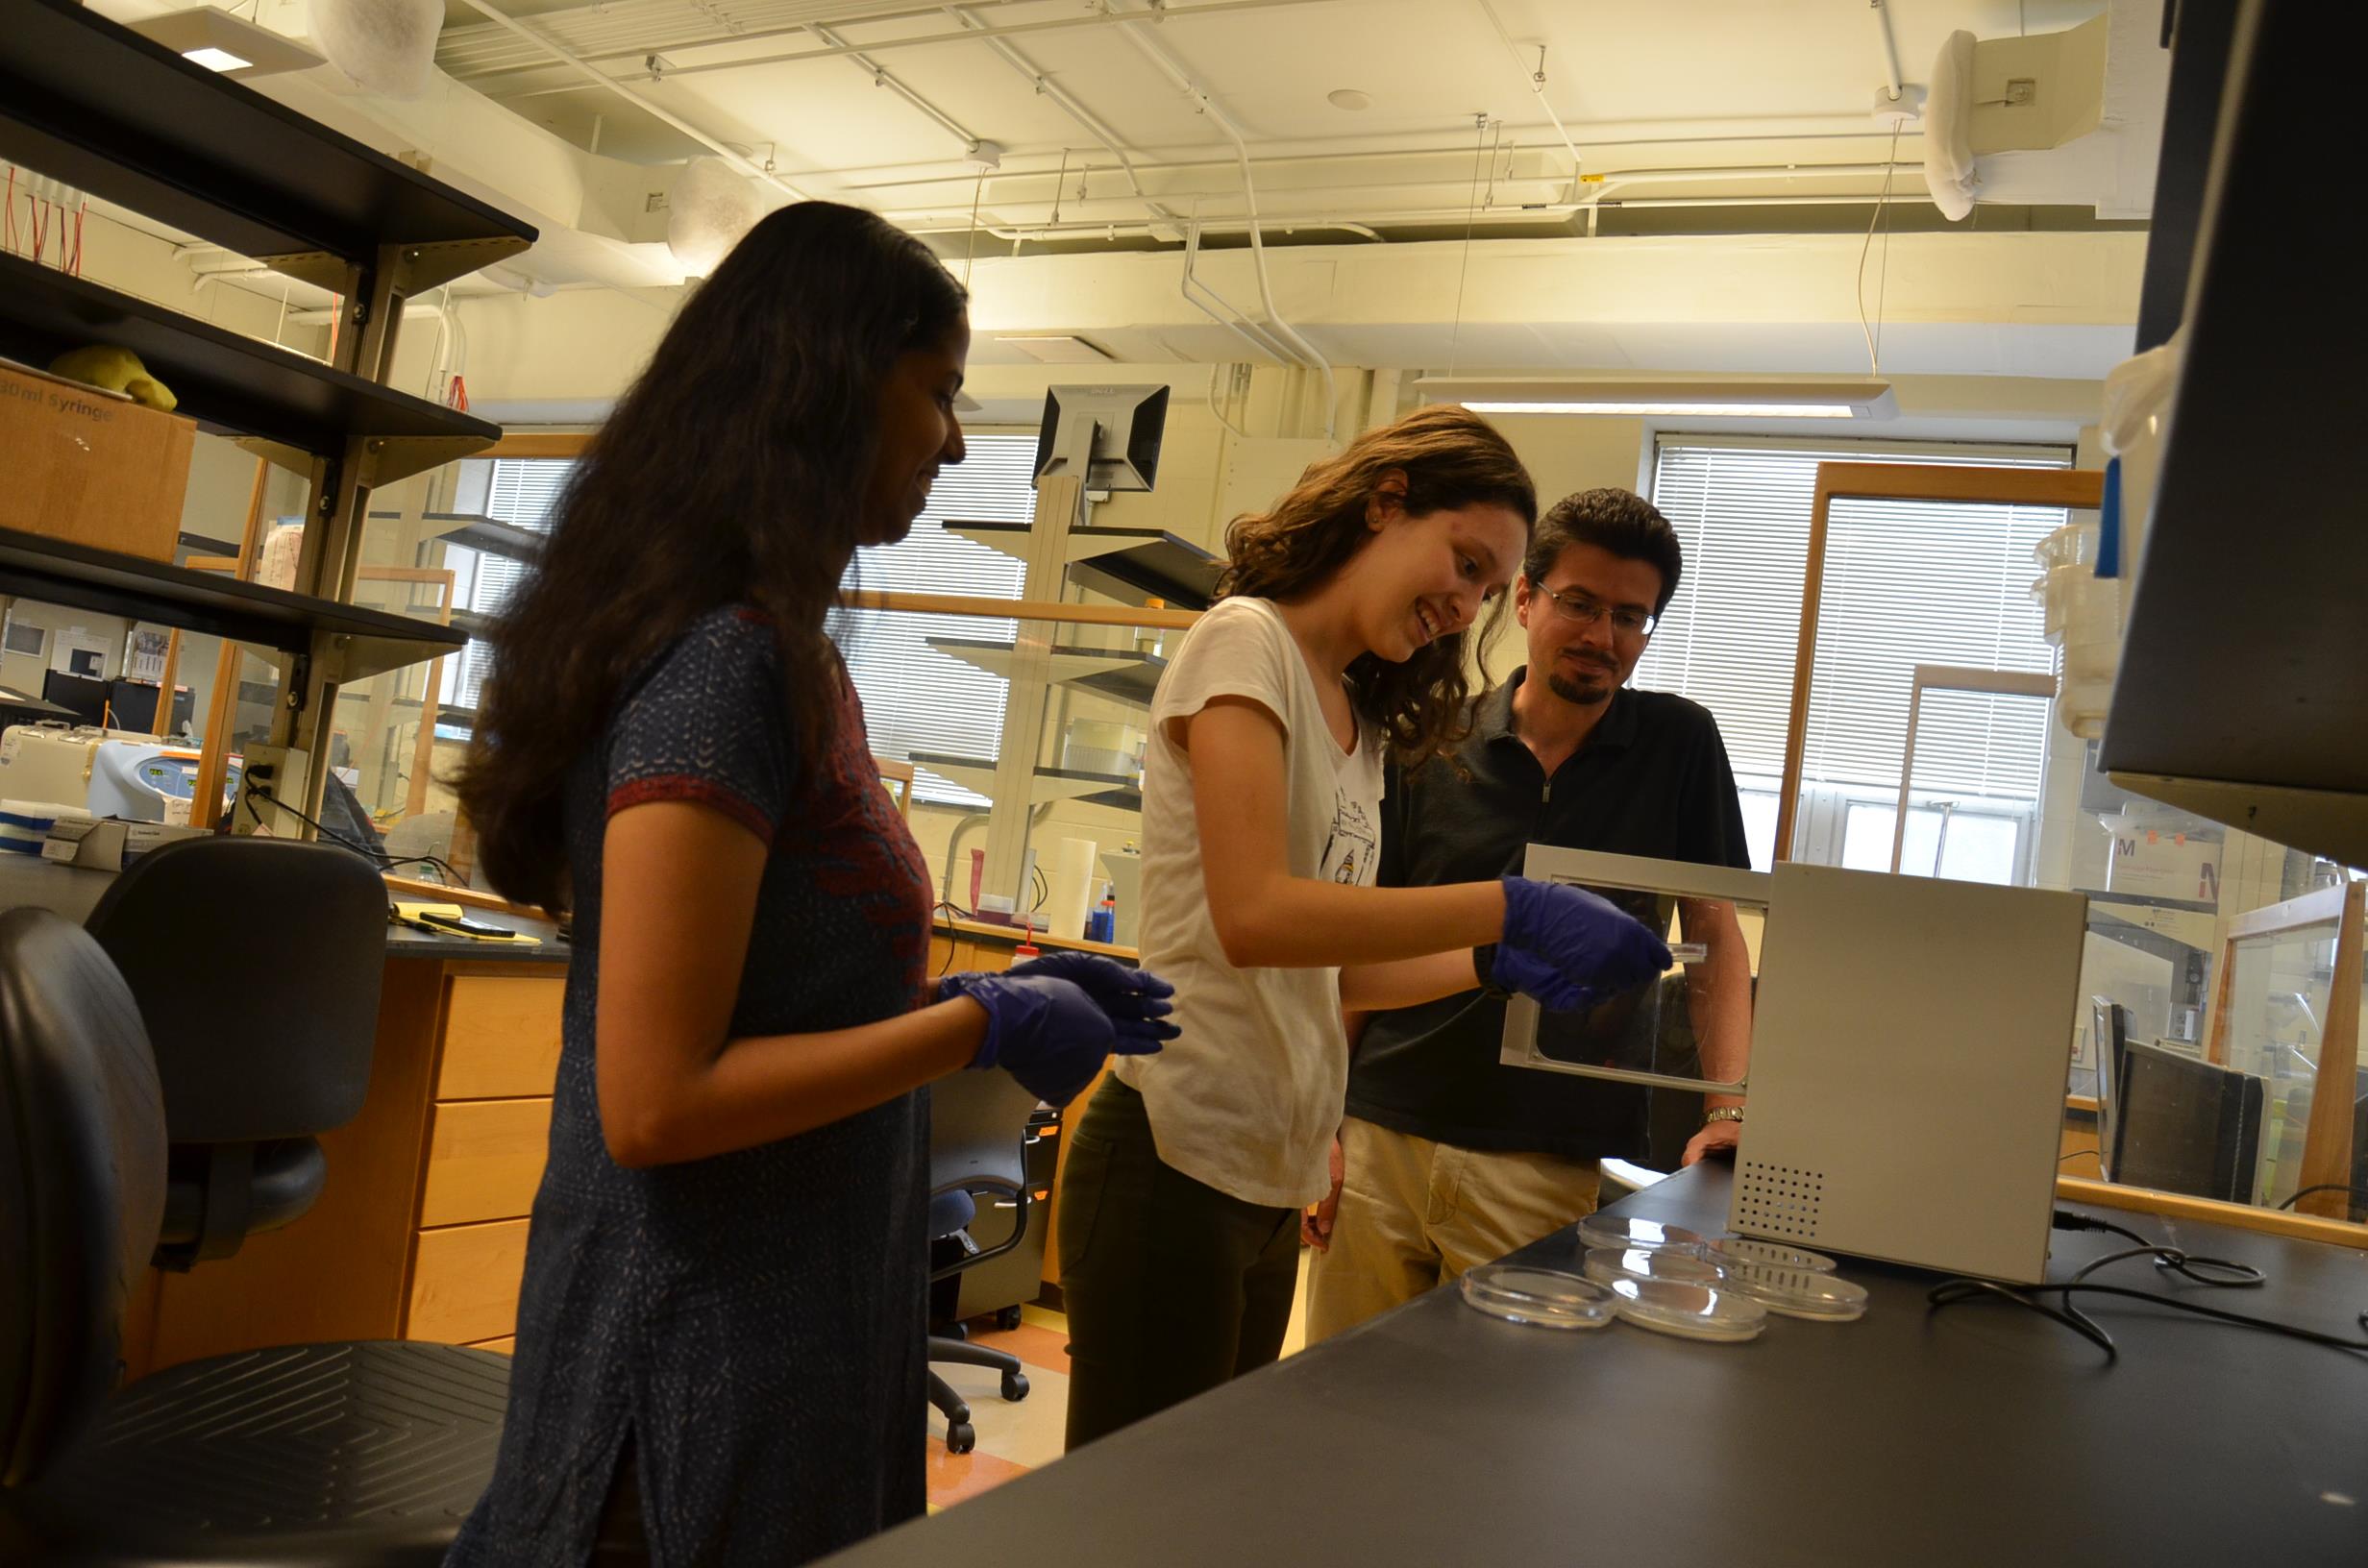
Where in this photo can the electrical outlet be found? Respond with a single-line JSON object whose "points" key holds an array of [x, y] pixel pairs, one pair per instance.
{"points": [[2022, 90], [275, 772]]}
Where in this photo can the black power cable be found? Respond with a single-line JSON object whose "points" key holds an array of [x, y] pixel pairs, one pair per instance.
{"points": [[2216, 1272], [379, 857]]}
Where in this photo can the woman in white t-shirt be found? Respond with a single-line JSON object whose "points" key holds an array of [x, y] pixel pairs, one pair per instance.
{"points": [[1339, 637]]}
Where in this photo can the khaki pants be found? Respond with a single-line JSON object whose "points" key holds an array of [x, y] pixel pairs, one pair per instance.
{"points": [[1415, 1214]]}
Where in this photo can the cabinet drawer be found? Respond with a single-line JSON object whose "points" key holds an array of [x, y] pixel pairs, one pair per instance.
{"points": [[484, 1160], [464, 1283], [501, 1038]]}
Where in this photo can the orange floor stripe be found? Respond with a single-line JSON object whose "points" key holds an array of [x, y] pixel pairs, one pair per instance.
{"points": [[1047, 1348], [956, 1477]]}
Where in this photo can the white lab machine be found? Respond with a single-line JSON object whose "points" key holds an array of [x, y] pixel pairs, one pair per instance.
{"points": [[138, 779], [1908, 1054]]}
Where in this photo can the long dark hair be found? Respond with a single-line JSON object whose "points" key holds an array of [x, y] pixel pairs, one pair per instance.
{"points": [[1451, 457], [734, 470]]}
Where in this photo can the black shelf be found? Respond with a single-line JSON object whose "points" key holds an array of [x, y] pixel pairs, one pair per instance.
{"points": [[1133, 680], [55, 571], [487, 535], [1155, 565], [1121, 794], [228, 383], [1126, 564], [92, 103]]}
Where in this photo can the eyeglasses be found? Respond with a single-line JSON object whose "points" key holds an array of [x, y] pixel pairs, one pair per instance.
{"points": [[1582, 611]]}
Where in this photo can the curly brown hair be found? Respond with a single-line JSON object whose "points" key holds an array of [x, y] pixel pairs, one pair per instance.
{"points": [[1450, 457]]}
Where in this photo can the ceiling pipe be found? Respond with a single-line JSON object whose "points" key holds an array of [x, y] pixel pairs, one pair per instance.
{"points": [[921, 222], [639, 101], [1536, 81], [1100, 15], [1891, 48], [1069, 104], [1598, 193], [1306, 351], [883, 78]]}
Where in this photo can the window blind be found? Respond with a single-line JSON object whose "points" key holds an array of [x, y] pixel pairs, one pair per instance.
{"points": [[522, 492], [916, 698], [1906, 583]]}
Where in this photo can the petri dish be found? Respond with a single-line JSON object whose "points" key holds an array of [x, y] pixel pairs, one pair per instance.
{"points": [[1799, 1292], [1620, 1232], [1545, 1298], [1729, 1250], [1689, 1311], [1682, 1266]]}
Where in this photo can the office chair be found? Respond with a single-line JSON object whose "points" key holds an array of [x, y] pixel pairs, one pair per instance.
{"points": [[977, 1138], [256, 965], [361, 1454]]}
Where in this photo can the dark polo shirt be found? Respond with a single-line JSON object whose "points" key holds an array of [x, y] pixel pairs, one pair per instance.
{"points": [[1652, 780]]}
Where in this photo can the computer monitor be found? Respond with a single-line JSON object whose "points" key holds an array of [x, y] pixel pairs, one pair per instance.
{"points": [[79, 695], [1106, 436], [131, 704], [2188, 1126]]}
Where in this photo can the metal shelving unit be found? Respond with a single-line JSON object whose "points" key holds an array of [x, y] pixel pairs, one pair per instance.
{"points": [[89, 102]]}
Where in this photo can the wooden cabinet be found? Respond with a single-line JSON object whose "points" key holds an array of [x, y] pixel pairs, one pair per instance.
{"points": [[420, 1230]]}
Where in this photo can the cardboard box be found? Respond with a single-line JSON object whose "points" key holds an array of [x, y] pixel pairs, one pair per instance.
{"points": [[91, 467]]}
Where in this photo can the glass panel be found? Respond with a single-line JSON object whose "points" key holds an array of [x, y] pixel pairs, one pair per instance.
{"points": [[2277, 997], [1674, 1029]]}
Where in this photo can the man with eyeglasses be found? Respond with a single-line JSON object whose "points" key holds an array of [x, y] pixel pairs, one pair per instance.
{"points": [[1448, 1158]]}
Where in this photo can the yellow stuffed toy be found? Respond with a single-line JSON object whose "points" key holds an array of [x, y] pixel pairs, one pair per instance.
{"points": [[115, 370]]}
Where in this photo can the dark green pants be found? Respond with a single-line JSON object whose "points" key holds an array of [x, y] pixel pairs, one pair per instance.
{"points": [[1171, 1286]]}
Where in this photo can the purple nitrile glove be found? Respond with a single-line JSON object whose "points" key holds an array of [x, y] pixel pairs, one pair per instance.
{"points": [[1045, 1032], [1136, 1000], [1570, 949]]}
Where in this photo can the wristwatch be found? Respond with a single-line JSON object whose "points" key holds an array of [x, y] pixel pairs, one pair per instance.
{"points": [[1724, 1112]]}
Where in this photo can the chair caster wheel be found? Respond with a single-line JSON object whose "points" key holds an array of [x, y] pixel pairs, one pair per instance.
{"points": [[1015, 1386], [958, 1330], [960, 1437]]}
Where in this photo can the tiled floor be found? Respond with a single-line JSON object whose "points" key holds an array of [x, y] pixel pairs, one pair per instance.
{"points": [[1013, 1440]]}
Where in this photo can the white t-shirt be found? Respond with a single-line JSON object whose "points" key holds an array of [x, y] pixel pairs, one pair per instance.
{"points": [[1246, 1098]]}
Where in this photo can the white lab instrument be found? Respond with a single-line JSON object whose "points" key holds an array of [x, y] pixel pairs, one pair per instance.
{"points": [[1907, 1073], [105, 773]]}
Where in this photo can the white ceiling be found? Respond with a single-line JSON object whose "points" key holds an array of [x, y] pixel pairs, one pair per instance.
{"points": [[1674, 84]]}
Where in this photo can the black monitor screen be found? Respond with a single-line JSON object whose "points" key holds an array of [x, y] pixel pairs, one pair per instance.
{"points": [[2188, 1126], [79, 695], [132, 705]]}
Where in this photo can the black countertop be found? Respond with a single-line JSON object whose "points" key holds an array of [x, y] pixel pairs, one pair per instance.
{"points": [[1981, 1435], [73, 892]]}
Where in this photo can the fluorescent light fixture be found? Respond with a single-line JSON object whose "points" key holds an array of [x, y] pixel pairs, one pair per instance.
{"points": [[216, 60], [212, 37], [1055, 348], [1683, 410], [1674, 397]]}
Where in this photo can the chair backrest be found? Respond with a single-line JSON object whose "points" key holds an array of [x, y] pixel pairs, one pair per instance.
{"points": [[255, 964], [82, 1180], [977, 1127]]}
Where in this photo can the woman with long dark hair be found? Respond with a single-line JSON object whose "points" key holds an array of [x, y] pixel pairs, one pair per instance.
{"points": [[722, 1329], [1339, 635]]}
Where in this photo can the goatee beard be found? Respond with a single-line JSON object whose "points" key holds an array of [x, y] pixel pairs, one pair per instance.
{"points": [[1571, 691]]}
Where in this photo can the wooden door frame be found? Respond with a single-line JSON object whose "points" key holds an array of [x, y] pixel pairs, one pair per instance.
{"points": [[2078, 489]]}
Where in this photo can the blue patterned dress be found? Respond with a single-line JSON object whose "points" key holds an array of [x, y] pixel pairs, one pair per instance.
{"points": [[753, 1323]]}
